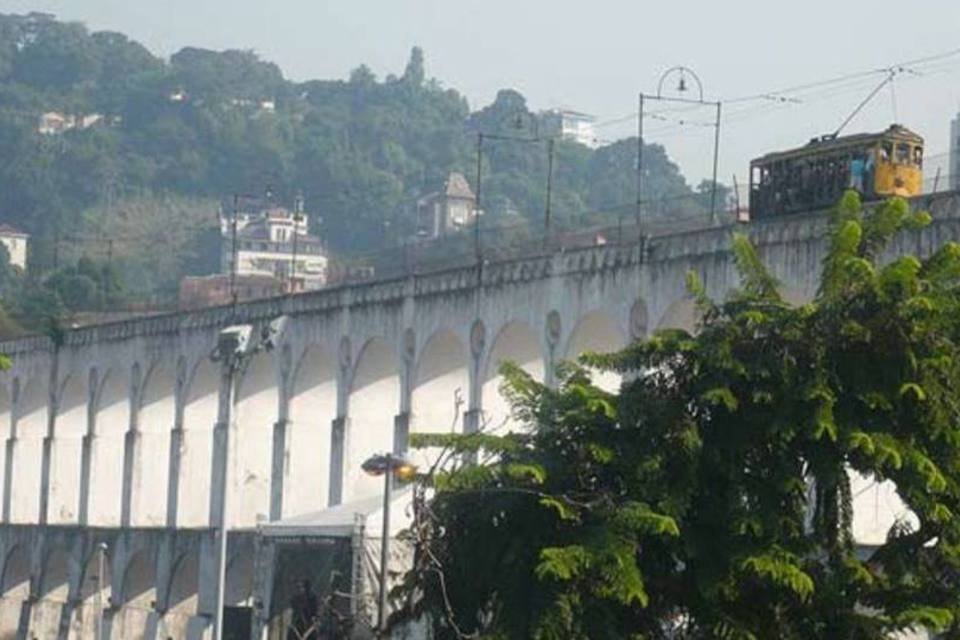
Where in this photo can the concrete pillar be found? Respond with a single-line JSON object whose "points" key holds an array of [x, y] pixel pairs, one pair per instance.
{"points": [[219, 463], [278, 465], [86, 464], [263, 565], [46, 462], [175, 458], [10, 453], [206, 587], [338, 448], [401, 433], [132, 445], [173, 477]]}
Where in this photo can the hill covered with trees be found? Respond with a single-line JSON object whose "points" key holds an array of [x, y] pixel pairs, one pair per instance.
{"points": [[147, 148]]}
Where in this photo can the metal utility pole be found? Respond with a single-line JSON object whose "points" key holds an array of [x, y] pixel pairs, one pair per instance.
{"points": [[683, 72], [385, 547], [229, 367], [476, 213], [390, 466], [716, 159], [297, 219], [639, 212], [546, 213], [233, 251]]}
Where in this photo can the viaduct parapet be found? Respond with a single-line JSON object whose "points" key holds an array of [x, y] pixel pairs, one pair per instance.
{"points": [[111, 435]]}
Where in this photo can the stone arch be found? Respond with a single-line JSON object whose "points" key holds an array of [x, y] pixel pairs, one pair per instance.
{"points": [[31, 429], [313, 407], [138, 588], [182, 595], [55, 579], [69, 429], [14, 590], [256, 411], [111, 422], [157, 414], [440, 390], [16, 574], [680, 314], [597, 332], [373, 404], [201, 404], [516, 342], [239, 580], [138, 594], [94, 594]]}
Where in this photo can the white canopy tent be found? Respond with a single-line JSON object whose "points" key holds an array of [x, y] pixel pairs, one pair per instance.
{"points": [[360, 522]]}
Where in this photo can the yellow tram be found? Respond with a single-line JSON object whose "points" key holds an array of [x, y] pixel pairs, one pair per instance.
{"points": [[814, 176]]}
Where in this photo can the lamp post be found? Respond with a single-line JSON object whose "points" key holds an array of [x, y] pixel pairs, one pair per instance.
{"points": [[389, 466], [534, 126], [235, 346], [679, 97]]}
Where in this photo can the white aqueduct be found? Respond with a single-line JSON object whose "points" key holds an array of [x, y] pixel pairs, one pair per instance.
{"points": [[112, 435]]}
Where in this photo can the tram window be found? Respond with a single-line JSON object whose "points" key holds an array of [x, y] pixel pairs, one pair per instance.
{"points": [[903, 153], [886, 150], [918, 156]]}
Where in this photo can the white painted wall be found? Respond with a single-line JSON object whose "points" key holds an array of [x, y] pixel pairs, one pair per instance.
{"points": [[373, 405], [70, 427], [111, 424], [199, 418], [313, 407], [31, 429], [156, 420], [441, 391], [256, 412], [517, 343]]}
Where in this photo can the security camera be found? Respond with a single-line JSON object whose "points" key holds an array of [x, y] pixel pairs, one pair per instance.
{"points": [[272, 332], [233, 341]]}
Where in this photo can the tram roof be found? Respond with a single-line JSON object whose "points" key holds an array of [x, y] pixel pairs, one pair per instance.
{"points": [[824, 143]]}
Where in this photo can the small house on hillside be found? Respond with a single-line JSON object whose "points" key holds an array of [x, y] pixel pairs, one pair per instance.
{"points": [[16, 243], [448, 210]]}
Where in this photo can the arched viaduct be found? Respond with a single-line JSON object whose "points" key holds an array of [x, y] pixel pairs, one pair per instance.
{"points": [[110, 436]]}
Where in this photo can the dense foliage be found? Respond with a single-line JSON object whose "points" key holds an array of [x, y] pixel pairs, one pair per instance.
{"points": [[204, 125], [710, 497]]}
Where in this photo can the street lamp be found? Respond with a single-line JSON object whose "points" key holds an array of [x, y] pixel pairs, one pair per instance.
{"points": [[235, 346], [389, 466]]}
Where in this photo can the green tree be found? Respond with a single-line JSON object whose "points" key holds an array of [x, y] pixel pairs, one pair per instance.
{"points": [[710, 497], [414, 73]]}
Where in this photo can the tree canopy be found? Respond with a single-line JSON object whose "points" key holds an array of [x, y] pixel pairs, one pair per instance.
{"points": [[711, 496]]}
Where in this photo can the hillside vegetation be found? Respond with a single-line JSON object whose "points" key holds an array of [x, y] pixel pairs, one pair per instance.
{"points": [[164, 141]]}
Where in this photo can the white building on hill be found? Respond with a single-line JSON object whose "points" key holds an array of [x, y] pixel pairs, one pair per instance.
{"points": [[268, 241], [16, 243], [446, 211], [569, 125]]}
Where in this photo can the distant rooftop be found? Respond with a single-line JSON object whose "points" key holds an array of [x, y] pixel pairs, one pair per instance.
{"points": [[458, 187], [7, 230]]}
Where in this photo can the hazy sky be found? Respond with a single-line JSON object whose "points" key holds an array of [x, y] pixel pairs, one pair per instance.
{"points": [[595, 56]]}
